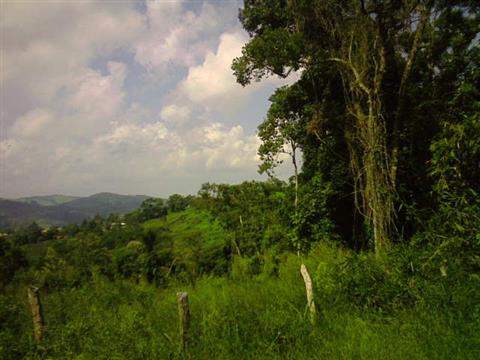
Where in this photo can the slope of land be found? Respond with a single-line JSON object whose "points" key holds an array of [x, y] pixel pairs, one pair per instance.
{"points": [[255, 308], [48, 200], [105, 203], [45, 212]]}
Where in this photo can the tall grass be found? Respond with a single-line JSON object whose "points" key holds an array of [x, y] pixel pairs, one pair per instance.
{"points": [[242, 316]]}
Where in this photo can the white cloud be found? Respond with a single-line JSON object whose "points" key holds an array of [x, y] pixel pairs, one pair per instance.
{"points": [[32, 123], [149, 136], [90, 92], [213, 146], [46, 144], [46, 44], [212, 83], [227, 148], [175, 114], [213, 79], [76, 127], [179, 38]]}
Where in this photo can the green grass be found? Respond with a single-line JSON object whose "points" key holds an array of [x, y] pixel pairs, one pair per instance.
{"points": [[190, 227], [181, 222], [255, 310], [197, 242], [237, 317]]}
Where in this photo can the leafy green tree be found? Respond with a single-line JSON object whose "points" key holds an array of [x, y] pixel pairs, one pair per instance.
{"points": [[152, 209], [51, 233], [390, 59], [30, 234], [248, 210], [456, 149], [454, 229], [56, 272], [131, 260], [12, 259], [312, 221], [70, 230], [280, 132], [178, 202]]}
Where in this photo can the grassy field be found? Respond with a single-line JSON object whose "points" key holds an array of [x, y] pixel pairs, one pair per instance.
{"points": [[242, 307], [242, 316]]}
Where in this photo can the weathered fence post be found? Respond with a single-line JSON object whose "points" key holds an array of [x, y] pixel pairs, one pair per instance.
{"points": [[184, 315], [309, 289], [37, 313]]}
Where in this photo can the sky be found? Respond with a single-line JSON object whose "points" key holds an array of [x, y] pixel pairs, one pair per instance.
{"points": [[126, 97]]}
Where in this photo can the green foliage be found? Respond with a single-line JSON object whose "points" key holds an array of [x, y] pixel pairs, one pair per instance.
{"points": [[15, 339], [243, 306], [56, 273], [312, 220], [131, 260], [178, 202], [151, 209], [280, 132], [455, 160], [28, 235], [251, 212], [258, 313], [275, 51], [12, 259], [377, 81], [452, 233]]}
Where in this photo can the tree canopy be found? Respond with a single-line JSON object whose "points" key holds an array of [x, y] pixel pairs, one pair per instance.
{"points": [[377, 79]]}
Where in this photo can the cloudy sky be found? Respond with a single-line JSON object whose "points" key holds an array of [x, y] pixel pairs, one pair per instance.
{"points": [[127, 97]]}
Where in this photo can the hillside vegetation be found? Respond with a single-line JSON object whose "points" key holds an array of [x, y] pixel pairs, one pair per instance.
{"points": [[109, 290]]}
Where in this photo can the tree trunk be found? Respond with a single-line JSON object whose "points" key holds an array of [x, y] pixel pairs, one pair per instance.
{"points": [[295, 167], [377, 191]]}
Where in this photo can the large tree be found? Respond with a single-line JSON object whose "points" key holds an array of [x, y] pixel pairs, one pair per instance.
{"points": [[392, 58]]}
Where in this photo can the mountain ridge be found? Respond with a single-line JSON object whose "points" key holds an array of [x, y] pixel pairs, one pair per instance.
{"points": [[47, 200], [60, 209]]}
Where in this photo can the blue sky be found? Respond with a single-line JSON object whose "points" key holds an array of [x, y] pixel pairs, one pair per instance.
{"points": [[127, 97]]}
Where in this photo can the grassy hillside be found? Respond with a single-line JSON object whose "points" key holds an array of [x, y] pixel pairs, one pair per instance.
{"points": [[189, 223], [194, 240], [48, 200]]}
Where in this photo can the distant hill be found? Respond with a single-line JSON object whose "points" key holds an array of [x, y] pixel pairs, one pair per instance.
{"points": [[105, 203], [48, 200], [43, 210]]}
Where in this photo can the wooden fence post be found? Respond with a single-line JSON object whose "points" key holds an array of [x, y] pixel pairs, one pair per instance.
{"points": [[37, 313], [309, 289], [184, 315]]}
